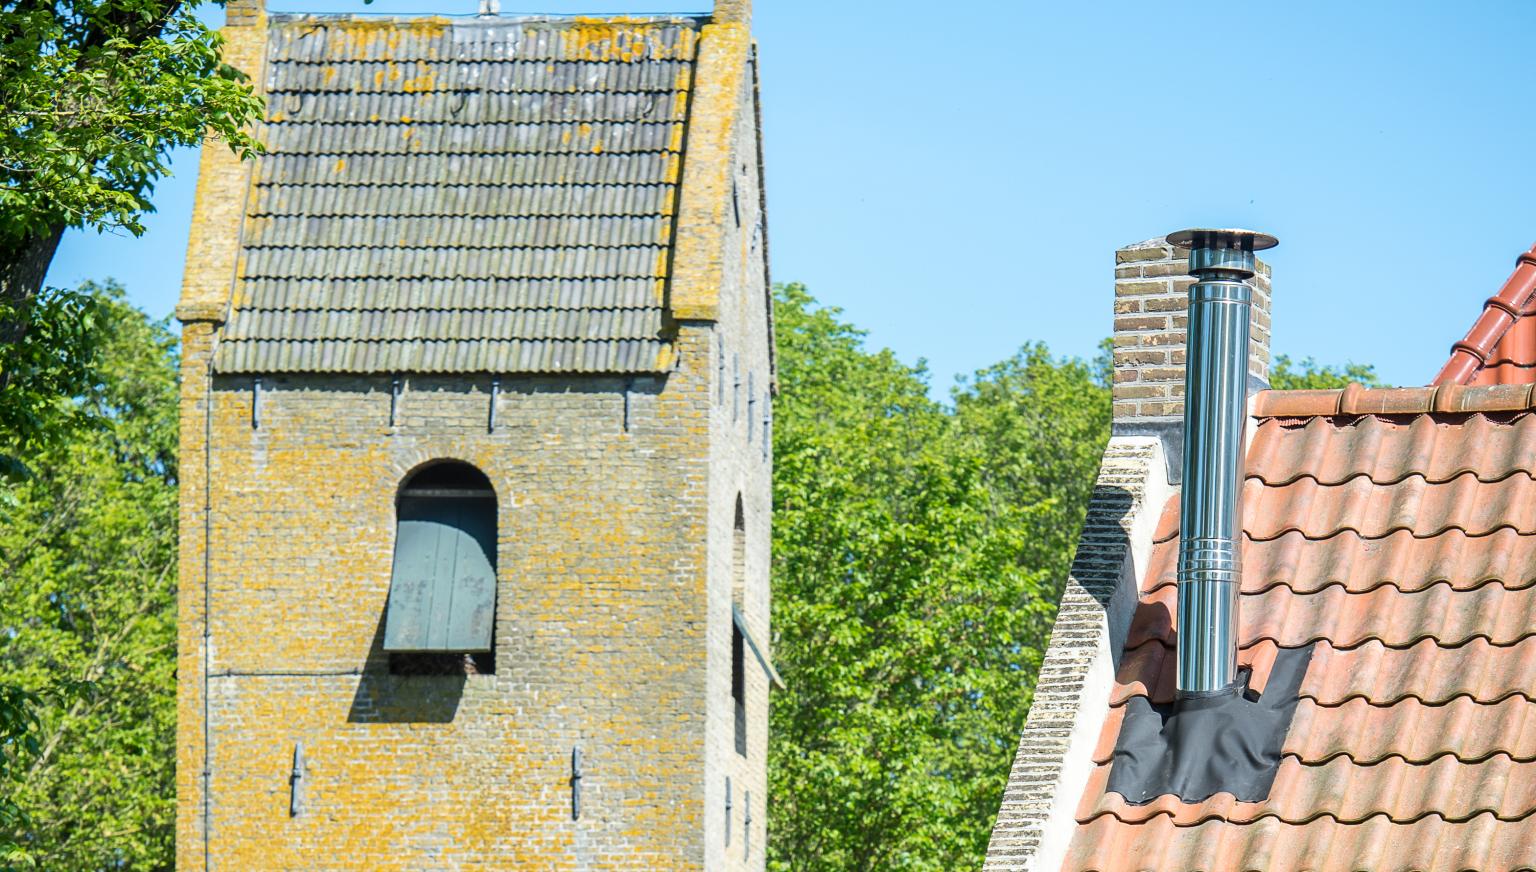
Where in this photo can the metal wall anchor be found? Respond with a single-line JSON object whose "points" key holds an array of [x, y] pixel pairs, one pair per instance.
{"points": [[256, 403], [576, 784], [490, 426], [746, 826], [394, 399], [296, 781]]}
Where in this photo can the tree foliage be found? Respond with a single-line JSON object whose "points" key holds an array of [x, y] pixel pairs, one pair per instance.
{"points": [[93, 95], [919, 553], [52, 358], [1308, 374], [87, 614]]}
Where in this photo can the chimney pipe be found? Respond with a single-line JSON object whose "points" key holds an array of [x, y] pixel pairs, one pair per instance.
{"points": [[1215, 413]]}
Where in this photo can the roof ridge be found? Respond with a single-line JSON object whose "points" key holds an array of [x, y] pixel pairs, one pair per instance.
{"points": [[1356, 399], [1500, 312]]}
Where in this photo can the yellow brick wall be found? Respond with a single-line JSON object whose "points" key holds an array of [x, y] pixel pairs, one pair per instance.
{"points": [[600, 632]]}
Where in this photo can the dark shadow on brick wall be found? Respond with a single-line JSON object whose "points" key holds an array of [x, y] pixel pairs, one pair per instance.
{"points": [[383, 698]]}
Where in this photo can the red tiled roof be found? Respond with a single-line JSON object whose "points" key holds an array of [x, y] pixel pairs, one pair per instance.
{"points": [[1397, 530], [1501, 346]]}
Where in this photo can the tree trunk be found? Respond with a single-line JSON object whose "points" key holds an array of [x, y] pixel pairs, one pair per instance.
{"points": [[23, 265]]}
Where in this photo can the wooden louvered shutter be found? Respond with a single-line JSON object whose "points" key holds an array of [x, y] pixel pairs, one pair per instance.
{"points": [[442, 595]]}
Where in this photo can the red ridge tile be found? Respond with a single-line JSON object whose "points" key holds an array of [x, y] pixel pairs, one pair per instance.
{"points": [[1356, 400], [1501, 312], [1296, 404]]}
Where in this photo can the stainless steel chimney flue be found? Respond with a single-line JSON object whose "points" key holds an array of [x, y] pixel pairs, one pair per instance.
{"points": [[1215, 412]]}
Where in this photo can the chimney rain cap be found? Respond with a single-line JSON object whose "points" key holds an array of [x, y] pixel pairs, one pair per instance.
{"points": [[1226, 237]]}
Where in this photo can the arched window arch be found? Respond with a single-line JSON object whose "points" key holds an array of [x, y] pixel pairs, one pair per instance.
{"points": [[442, 591]]}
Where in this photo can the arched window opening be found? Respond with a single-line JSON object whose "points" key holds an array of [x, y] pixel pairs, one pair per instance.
{"points": [[441, 614]]}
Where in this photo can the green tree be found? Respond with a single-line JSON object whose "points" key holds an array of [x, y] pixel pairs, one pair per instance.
{"points": [[1308, 374], [52, 356], [1038, 426], [87, 600], [918, 557], [93, 96]]}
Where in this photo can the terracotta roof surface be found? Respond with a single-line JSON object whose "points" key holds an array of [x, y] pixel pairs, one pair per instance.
{"points": [[463, 195], [1402, 541]]}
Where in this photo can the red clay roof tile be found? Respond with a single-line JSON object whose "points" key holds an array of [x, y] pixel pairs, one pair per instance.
{"points": [[1282, 615], [1347, 792], [1387, 450], [1405, 547], [1413, 730], [1513, 359], [1380, 675], [1360, 565], [1424, 507]]}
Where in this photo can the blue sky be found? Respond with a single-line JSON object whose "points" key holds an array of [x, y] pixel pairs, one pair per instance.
{"points": [[957, 178]]}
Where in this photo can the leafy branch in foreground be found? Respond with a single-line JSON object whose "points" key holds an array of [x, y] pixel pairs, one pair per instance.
{"points": [[93, 97]]}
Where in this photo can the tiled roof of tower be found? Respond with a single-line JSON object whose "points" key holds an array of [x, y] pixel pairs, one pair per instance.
{"points": [[484, 194], [1396, 529]]}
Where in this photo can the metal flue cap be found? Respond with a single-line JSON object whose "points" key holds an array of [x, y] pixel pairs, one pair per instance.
{"points": [[1214, 252], [1224, 237]]}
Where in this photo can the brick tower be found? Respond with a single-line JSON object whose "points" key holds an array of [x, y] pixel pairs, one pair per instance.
{"points": [[475, 439]]}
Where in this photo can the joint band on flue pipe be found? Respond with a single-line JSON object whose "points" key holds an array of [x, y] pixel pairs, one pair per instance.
{"points": [[1215, 416]]}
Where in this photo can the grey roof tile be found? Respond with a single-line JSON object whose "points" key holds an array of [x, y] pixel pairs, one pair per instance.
{"points": [[463, 195]]}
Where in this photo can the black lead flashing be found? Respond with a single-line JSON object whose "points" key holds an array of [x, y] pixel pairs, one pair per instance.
{"points": [[1197, 747]]}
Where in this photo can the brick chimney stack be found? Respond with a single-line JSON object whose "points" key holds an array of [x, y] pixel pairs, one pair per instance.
{"points": [[1151, 311]]}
